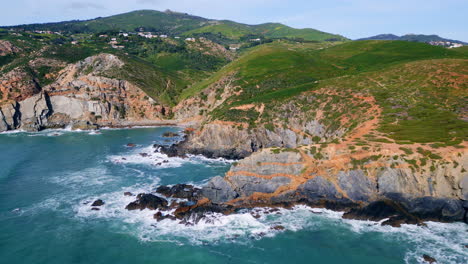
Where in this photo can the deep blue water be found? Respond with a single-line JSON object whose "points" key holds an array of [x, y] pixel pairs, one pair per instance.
{"points": [[47, 178]]}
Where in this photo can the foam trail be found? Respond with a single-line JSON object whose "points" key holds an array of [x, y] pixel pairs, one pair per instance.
{"points": [[148, 156]]}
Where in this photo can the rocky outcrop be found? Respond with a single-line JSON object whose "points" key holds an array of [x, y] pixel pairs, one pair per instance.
{"points": [[7, 48], [147, 201], [18, 85], [219, 191], [81, 97], [225, 140], [34, 112], [373, 192]]}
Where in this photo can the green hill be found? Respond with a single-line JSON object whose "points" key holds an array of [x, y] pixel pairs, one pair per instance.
{"points": [[175, 23], [415, 84], [269, 30]]}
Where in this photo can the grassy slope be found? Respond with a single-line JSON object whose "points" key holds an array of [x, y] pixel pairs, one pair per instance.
{"points": [[277, 72], [276, 30], [149, 19], [422, 101], [173, 23], [235, 30]]}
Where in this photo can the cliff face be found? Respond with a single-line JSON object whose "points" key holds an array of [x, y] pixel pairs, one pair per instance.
{"points": [[349, 142], [435, 190], [80, 95]]}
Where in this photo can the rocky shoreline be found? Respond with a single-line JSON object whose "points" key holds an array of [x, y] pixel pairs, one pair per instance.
{"points": [[270, 185]]}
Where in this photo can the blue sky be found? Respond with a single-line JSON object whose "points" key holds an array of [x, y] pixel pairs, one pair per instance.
{"points": [[351, 18]]}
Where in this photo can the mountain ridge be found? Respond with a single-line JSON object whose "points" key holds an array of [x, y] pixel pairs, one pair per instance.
{"points": [[413, 37], [172, 23]]}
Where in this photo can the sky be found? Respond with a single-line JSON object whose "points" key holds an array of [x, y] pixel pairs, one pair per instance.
{"points": [[350, 18]]}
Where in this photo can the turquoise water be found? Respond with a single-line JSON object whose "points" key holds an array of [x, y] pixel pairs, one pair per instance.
{"points": [[46, 178]]}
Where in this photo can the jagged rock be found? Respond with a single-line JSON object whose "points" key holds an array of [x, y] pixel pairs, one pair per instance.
{"points": [[170, 134], [218, 190], [429, 259], [147, 201], [7, 48], [18, 84], [131, 145], [182, 191], [380, 210], [159, 217], [58, 120], [357, 186], [247, 185], [128, 194], [263, 162], [464, 187], [198, 211], [98, 202], [3, 124], [398, 181], [34, 112], [319, 188], [431, 208], [9, 117], [84, 125], [278, 228]]}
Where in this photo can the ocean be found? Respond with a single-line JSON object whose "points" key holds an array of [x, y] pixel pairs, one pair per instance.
{"points": [[48, 179]]}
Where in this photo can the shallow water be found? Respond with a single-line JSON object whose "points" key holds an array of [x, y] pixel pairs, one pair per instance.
{"points": [[47, 179]]}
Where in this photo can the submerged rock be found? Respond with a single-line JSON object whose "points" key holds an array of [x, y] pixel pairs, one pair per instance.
{"points": [[170, 134], [84, 125], [278, 228], [98, 202], [147, 201], [429, 259], [159, 217]]}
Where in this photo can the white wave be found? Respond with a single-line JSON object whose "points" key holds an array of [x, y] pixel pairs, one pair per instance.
{"points": [[97, 176], [137, 127], [149, 156], [445, 242], [203, 159]]}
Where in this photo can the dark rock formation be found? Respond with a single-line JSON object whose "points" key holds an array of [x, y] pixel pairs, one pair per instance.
{"points": [[182, 191], [379, 210], [429, 259], [170, 134], [98, 203], [185, 147], [147, 201]]}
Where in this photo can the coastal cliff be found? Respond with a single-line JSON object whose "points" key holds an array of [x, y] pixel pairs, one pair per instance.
{"points": [[305, 124], [81, 97]]}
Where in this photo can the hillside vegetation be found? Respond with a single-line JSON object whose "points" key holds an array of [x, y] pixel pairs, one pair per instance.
{"points": [[413, 91], [175, 23], [420, 89]]}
